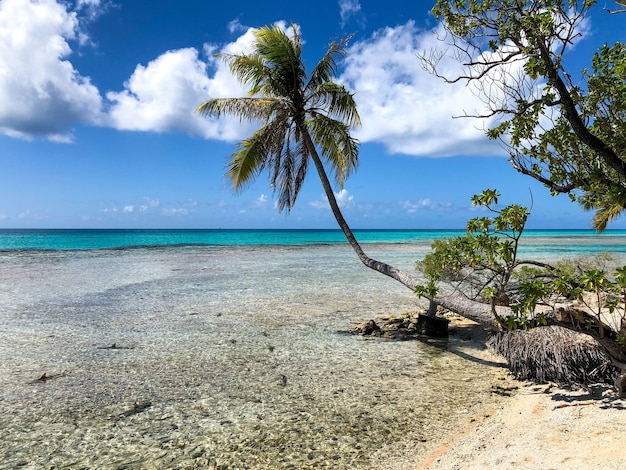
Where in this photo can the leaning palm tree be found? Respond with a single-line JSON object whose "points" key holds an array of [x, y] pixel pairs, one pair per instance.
{"points": [[304, 118]]}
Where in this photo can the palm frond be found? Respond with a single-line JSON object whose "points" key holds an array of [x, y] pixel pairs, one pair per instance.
{"points": [[282, 57], [250, 70], [247, 161], [256, 153], [338, 148], [303, 159], [338, 103], [606, 215], [249, 109], [326, 68], [285, 178]]}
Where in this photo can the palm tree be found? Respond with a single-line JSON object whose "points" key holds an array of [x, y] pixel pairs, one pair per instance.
{"points": [[304, 118]]}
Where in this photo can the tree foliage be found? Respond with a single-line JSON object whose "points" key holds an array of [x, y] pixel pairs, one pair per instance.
{"points": [[565, 128], [482, 262], [484, 265], [299, 113]]}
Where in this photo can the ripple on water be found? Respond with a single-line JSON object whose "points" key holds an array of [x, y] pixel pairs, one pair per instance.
{"points": [[221, 360]]}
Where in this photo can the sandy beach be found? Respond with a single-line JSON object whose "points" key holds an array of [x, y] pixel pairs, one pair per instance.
{"points": [[539, 427]]}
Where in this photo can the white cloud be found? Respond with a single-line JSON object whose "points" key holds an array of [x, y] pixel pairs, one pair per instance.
{"points": [[344, 199], [235, 26], [405, 108], [91, 8], [162, 95], [42, 95], [347, 9], [426, 204], [149, 204], [319, 204], [171, 212], [129, 209], [260, 202]]}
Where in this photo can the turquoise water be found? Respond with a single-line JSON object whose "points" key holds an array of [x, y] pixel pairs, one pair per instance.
{"points": [[99, 239], [534, 242], [227, 349]]}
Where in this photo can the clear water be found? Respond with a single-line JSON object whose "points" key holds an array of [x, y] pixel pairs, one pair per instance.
{"points": [[235, 354]]}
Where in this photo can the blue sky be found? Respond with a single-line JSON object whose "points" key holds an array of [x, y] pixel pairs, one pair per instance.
{"points": [[97, 128]]}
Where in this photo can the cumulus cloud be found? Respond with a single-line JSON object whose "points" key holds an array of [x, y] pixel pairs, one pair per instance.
{"points": [[405, 108], [42, 94], [162, 95]]}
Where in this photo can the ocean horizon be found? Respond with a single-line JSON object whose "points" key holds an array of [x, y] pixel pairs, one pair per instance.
{"points": [[582, 240]]}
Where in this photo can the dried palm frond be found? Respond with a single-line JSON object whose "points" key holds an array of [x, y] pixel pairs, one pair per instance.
{"points": [[555, 354]]}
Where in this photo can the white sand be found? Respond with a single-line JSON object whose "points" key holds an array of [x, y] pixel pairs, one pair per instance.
{"points": [[540, 428]]}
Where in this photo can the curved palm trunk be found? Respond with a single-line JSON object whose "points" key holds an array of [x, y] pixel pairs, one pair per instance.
{"points": [[472, 310], [475, 311]]}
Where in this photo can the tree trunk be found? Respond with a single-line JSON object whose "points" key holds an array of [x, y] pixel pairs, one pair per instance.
{"points": [[570, 112], [456, 303], [467, 308]]}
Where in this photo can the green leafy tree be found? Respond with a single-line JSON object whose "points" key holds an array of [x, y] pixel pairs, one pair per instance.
{"points": [[482, 263], [565, 129]]}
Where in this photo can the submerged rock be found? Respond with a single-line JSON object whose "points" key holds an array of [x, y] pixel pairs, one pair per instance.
{"points": [[368, 328], [406, 326]]}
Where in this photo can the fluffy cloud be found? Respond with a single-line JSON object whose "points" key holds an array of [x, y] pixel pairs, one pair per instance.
{"points": [[42, 95], [405, 108], [162, 95]]}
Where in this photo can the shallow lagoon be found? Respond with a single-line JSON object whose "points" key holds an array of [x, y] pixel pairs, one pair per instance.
{"points": [[222, 358]]}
